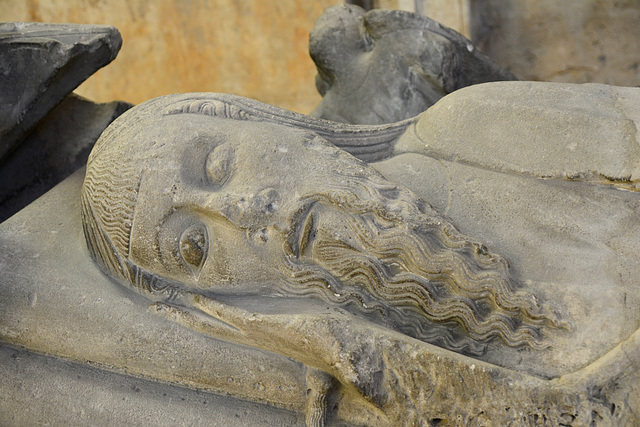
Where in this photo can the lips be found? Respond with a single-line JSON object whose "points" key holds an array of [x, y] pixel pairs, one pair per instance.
{"points": [[305, 232], [304, 224]]}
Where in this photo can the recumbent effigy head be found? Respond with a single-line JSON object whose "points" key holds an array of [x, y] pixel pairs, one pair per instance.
{"points": [[190, 193]]}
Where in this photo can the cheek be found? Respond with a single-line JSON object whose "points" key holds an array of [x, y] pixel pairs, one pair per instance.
{"points": [[239, 265], [217, 269]]}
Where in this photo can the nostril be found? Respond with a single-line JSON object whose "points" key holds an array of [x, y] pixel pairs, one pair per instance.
{"points": [[259, 237], [270, 208], [267, 200]]}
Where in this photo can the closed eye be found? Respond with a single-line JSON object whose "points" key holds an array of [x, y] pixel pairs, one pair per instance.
{"points": [[220, 164]]}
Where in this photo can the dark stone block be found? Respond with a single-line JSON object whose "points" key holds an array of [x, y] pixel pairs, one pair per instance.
{"points": [[40, 64], [58, 146]]}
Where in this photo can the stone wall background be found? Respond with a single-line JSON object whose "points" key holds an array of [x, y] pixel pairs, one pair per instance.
{"points": [[575, 41], [452, 13], [258, 48], [253, 48]]}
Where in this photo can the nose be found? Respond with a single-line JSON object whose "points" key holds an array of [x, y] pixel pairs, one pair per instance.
{"points": [[247, 210]]}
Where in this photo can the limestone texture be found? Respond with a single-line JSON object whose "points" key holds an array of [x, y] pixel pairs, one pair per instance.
{"points": [[53, 390], [55, 302], [251, 48], [454, 15], [573, 41], [260, 234], [112, 330]]}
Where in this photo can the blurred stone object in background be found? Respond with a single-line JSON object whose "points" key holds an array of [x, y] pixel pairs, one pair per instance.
{"points": [[384, 66]]}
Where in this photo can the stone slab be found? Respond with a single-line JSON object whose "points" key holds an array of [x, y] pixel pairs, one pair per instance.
{"points": [[54, 391]]}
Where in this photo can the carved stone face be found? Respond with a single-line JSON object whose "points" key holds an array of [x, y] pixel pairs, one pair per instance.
{"points": [[219, 200]]}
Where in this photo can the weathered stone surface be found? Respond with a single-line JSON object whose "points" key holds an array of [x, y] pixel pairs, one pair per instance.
{"points": [[260, 50], [112, 329], [56, 391], [40, 64], [55, 301], [453, 14], [547, 130], [58, 146], [276, 268], [384, 66], [577, 41]]}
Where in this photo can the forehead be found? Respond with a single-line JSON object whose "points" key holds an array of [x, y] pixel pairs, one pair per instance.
{"points": [[183, 141], [171, 135]]}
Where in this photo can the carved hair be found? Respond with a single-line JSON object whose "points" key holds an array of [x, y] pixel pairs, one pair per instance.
{"points": [[418, 274]]}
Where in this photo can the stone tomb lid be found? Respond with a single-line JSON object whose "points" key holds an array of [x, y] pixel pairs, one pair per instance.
{"points": [[55, 301]]}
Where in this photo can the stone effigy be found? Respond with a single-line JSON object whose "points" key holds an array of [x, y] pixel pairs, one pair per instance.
{"points": [[169, 216], [476, 264], [384, 66], [243, 222]]}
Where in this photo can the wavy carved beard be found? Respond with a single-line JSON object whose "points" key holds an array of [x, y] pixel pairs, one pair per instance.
{"points": [[414, 272]]}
